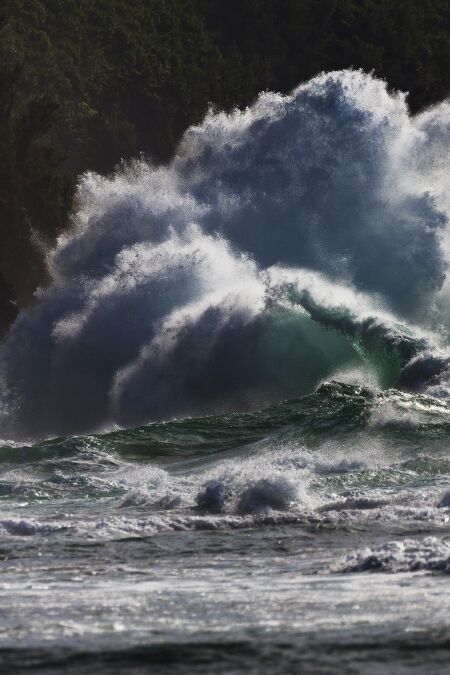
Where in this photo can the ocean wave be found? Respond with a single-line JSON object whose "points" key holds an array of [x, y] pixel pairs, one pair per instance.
{"points": [[303, 236], [28, 527], [431, 554]]}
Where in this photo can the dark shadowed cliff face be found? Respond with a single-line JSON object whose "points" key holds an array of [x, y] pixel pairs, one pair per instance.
{"points": [[8, 309], [86, 84]]}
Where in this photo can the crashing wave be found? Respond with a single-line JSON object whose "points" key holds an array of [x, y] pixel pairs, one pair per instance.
{"points": [[167, 297], [430, 555]]}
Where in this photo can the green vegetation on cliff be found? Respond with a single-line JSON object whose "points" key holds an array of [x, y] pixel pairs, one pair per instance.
{"points": [[85, 83]]}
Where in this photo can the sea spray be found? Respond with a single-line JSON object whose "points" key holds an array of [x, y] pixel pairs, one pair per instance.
{"points": [[166, 300]]}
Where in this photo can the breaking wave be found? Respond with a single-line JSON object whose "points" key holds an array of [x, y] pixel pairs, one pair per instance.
{"points": [[340, 456], [431, 554], [304, 236]]}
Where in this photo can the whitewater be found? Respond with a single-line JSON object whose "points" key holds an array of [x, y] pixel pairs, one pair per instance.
{"points": [[225, 422]]}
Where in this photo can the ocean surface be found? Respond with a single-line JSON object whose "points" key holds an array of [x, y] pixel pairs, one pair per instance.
{"points": [[312, 536], [225, 423]]}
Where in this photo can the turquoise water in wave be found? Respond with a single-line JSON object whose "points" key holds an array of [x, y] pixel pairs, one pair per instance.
{"points": [[301, 536]]}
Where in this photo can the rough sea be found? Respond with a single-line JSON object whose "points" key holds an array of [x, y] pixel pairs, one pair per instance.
{"points": [[225, 424]]}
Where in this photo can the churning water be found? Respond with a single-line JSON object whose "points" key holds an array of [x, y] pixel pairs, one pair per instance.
{"points": [[243, 366]]}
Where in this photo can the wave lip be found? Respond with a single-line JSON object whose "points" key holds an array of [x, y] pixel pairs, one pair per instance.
{"points": [[427, 555], [264, 494], [21, 527]]}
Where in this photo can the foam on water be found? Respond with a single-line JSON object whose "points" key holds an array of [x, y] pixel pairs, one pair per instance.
{"points": [[350, 472]]}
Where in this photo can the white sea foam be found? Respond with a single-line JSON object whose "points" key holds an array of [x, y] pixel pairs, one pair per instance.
{"points": [[431, 554]]}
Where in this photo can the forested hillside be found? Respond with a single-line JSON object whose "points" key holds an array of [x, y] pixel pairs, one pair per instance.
{"points": [[86, 83]]}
